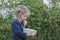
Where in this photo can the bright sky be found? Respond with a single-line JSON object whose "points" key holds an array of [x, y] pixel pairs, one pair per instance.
{"points": [[46, 2], [3, 11]]}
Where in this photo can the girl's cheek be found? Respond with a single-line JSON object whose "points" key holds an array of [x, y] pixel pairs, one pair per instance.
{"points": [[25, 18]]}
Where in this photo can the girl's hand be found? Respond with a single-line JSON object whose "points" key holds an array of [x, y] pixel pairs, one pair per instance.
{"points": [[30, 34]]}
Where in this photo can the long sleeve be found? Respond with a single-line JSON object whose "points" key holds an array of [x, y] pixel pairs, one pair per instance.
{"points": [[17, 30]]}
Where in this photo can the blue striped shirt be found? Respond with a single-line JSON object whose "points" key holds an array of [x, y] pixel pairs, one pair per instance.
{"points": [[17, 30]]}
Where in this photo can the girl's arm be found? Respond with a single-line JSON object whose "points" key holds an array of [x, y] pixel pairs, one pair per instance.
{"points": [[17, 30]]}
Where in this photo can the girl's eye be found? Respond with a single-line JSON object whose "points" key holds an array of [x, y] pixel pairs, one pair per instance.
{"points": [[24, 15]]}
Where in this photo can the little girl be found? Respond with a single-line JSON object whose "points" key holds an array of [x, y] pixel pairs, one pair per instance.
{"points": [[19, 22]]}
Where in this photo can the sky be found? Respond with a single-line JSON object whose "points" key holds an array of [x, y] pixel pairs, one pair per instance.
{"points": [[46, 2], [3, 11]]}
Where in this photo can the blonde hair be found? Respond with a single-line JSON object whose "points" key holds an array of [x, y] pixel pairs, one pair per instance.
{"points": [[21, 9]]}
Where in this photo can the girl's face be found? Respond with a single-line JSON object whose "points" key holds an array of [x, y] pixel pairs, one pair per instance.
{"points": [[23, 16]]}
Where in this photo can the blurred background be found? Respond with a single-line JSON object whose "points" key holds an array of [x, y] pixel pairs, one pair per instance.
{"points": [[45, 18]]}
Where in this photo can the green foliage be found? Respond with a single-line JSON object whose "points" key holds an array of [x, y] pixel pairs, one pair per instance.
{"points": [[45, 21]]}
